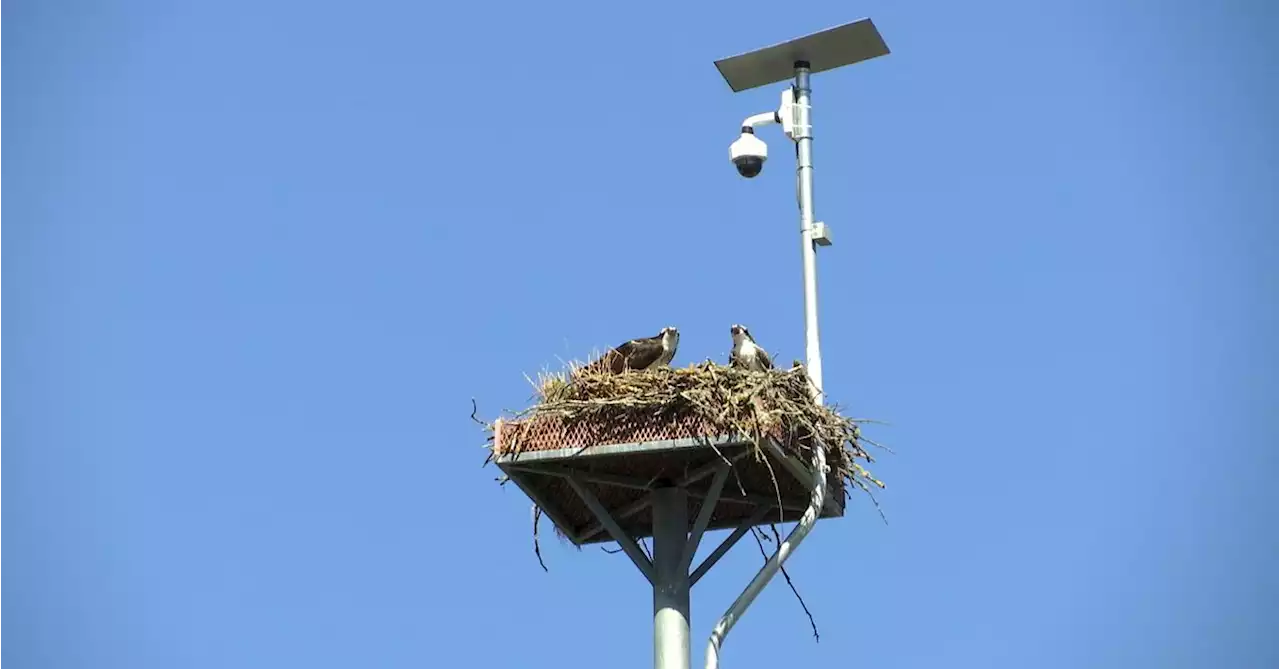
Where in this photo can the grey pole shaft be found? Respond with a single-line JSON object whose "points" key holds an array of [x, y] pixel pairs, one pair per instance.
{"points": [[804, 194], [671, 579]]}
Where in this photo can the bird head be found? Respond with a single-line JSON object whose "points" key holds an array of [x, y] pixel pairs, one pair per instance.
{"points": [[669, 334], [740, 332]]}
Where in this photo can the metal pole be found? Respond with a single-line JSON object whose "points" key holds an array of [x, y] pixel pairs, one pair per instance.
{"points": [[670, 579], [803, 135], [804, 194], [817, 497]]}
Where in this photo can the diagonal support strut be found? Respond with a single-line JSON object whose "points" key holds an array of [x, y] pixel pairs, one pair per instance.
{"points": [[704, 516], [729, 541], [624, 540], [643, 503]]}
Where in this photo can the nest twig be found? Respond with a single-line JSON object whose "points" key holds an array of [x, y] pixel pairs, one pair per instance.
{"points": [[776, 404], [760, 538], [537, 551]]}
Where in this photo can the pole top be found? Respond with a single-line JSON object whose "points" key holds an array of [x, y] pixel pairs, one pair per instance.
{"points": [[825, 50]]}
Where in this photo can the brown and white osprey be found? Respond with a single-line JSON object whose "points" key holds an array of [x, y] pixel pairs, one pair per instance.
{"points": [[746, 354], [646, 353]]}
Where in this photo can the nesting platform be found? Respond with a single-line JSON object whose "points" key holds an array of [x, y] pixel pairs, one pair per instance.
{"points": [[573, 469]]}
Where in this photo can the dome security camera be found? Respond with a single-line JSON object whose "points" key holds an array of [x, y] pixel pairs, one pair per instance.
{"points": [[748, 153]]}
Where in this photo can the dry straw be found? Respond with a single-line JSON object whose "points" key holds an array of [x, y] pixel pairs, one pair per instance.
{"points": [[755, 405]]}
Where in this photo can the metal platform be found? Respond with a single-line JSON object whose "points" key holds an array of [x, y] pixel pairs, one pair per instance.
{"points": [[586, 476]]}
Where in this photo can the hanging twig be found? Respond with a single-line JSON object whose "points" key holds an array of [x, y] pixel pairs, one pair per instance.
{"points": [[537, 514], [758, 534]]}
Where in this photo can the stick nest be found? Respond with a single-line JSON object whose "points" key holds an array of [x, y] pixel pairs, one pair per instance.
{"points": [[772, 404]]}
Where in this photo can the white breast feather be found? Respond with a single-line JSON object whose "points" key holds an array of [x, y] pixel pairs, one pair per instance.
{"points": [[668, 352]]}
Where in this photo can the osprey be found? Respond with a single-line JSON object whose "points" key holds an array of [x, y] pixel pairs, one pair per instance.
{"points": [[646, 353], [746, 354]]}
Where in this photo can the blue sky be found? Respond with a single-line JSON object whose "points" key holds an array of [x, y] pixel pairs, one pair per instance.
{"points": [[261, 256]]}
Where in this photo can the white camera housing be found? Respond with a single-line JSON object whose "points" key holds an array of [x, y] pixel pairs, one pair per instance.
{"points": [[748, 153], [787, 112]]}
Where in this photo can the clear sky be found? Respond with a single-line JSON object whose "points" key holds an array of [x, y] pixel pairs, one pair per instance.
{"points": [[261, 256]]}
